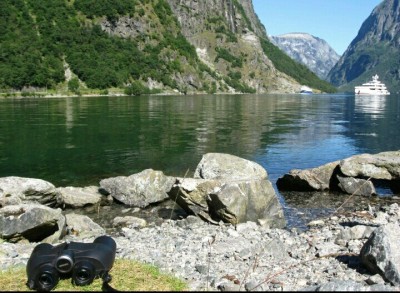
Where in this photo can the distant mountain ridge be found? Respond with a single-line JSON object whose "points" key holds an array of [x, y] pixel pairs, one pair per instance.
{"points": [[375, 50], [313, 52]]}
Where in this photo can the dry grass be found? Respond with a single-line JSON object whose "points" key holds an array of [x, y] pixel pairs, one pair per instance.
{"points": [[127, 275]]}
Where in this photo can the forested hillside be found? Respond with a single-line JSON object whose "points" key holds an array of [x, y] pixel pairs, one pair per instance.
{"points": [[74, 44]]}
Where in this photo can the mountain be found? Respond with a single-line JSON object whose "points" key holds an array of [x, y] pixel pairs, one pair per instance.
{"points": [[146, 46], [311, 51], [375, 50]]}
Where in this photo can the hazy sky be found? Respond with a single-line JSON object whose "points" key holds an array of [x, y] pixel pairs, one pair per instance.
{"points": [[335, 21]]}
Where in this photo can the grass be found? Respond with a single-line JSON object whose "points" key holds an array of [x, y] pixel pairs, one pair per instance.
{"points": [[127, 275]]}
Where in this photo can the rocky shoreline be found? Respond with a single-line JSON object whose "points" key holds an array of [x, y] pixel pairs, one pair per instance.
{"points": [[352, 251], [250, 257]]}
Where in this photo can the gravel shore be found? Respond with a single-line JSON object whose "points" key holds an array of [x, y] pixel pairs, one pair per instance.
{"points": [[248, 256]]}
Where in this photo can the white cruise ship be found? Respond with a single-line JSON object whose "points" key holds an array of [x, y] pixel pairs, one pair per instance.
{"points": [[373, 87]]}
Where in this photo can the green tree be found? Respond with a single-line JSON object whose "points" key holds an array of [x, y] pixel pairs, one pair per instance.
{"points": [[73, 85]]}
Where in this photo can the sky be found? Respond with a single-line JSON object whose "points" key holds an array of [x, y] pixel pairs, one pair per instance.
{"points": [[335, 21]]}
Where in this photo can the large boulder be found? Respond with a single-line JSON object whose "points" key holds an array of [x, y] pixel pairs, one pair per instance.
{"points": [[314, 179], [139, 190], [219, 166], [191, 195], [17, 190], [353, 175], [381, 253], [76, 197], [230, 189], [247, 200], [33, 222], [385, 165]]}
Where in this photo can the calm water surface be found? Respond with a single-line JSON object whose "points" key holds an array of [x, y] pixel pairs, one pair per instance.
{"points": [[79, 141]]}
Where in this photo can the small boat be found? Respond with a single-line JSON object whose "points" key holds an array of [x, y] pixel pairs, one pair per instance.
{"points": [[305, 90], [373, 87]]}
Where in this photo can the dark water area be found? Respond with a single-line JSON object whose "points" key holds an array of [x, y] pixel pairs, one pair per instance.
{"points": [[79, 141]]}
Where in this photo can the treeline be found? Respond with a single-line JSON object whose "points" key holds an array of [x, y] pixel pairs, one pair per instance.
{"points": [[37, 36], [298, 71]]}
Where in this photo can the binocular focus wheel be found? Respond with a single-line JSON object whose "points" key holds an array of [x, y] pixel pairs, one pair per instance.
{"points": [[65, 262], [47, 279], [83, 273]]}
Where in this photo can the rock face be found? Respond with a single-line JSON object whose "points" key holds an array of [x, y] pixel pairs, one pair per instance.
{"points": [[209, 25], [308, 180], [230, 189], [372, 51], [311, 51], [381, 253], [139, 189], [33, 222], [76, 197], [217, 166], [16, 190], [354, 175]]}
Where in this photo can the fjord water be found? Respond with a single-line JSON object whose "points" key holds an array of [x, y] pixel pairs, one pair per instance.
{"points": [[79, 141]]}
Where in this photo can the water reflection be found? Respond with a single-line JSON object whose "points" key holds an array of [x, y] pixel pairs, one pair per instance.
{"points": [[79, 141], [373, 105]]}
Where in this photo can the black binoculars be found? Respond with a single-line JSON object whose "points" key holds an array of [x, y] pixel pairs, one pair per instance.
{"points": [[82, 261]]}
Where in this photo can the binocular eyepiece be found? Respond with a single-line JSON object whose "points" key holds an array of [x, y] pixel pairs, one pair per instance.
{"points": [[83, 262]]}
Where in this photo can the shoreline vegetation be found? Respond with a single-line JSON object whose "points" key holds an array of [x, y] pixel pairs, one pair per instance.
{"points": [[112, 93]]}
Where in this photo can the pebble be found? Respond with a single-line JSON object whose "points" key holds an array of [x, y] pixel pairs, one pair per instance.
{"points": [[246, 257]]}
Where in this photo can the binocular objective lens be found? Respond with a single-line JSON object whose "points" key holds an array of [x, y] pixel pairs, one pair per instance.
{"points": [[83, 273], [46, 279]]}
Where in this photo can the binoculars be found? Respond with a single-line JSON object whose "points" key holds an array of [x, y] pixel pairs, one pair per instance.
{"points": [[82, 261]]}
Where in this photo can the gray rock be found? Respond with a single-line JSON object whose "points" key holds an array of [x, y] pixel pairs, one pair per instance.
{"points": [[76, 197], [139, 189], [17, 190], [385, 165], [315, 179], [356, 186], [381, 253], [131, 221], [246, 200], [83, 226], [356, 232], [219, 166], [32, 222], [354, 172]]}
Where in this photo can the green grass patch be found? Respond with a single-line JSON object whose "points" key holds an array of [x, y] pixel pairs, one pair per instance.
{"points": [[127, 275]]}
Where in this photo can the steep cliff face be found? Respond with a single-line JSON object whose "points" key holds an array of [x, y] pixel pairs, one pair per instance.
{"points": [[311, 51], [231, 26], [375, 50]]}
